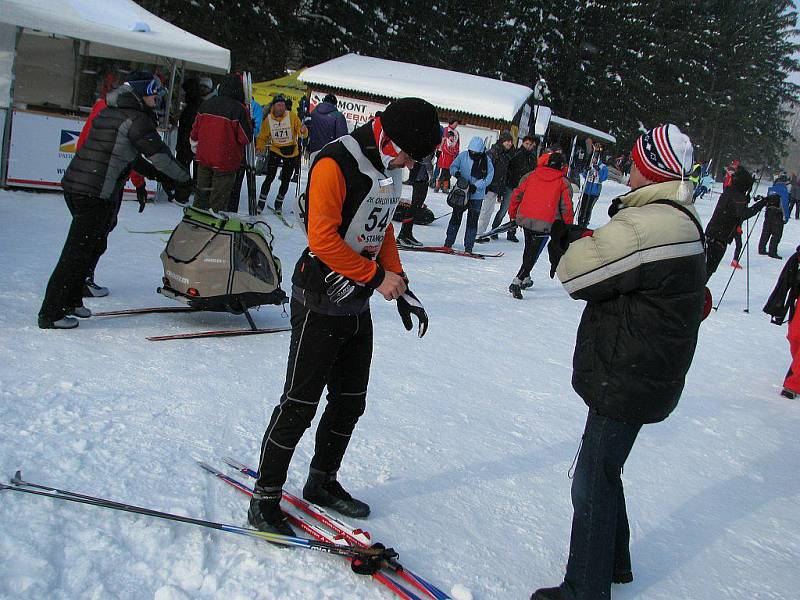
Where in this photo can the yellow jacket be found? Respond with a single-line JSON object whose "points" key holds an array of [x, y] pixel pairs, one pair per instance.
{"points": [[281, 135]]}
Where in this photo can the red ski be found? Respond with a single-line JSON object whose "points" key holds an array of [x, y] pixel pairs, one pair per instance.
{"points": [[446, 250]]}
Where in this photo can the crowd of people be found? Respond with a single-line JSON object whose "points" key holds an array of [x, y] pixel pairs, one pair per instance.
{"points": [[643, 274]]}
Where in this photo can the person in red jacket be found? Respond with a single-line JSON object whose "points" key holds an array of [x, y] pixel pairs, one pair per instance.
{"points": [[221, 130], [543, 196], [90, 288], [449, 148]]}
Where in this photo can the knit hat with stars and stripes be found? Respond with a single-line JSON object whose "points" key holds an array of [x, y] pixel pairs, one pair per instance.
{"points": [[663, 154]]}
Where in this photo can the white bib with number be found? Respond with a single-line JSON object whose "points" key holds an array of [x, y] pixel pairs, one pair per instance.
{"points": [[281, 130]]}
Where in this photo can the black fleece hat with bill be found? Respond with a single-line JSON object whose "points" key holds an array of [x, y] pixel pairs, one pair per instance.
{"points": [[412, 124]]}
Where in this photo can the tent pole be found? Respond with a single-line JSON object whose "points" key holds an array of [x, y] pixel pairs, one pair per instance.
{"points": [[5, 142], [169, 95]]}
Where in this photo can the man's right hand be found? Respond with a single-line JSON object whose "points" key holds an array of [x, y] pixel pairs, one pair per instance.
{"points": [[392, 286]]}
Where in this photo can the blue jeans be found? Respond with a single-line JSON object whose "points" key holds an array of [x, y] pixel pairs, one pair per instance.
{"points": [[473, 211], [598, 545]]}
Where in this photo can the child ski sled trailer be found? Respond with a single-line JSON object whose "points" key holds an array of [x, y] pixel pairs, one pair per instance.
{"points": [[219, 263]]}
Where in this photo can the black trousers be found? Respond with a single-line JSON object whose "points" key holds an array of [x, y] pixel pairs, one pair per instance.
{"points": [[534, 244], [325, 350], [715, 250], [771, 234], [236, 191], [102, 245], [287, 166], [90, 225], [419, 191], [737, 240], [585, 212]]}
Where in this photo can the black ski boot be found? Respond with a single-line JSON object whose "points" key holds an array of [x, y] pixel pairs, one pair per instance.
{"points": [[278, 205], [515, 290], [323, 489], [553, 593], [527, 283], [265, 513]]}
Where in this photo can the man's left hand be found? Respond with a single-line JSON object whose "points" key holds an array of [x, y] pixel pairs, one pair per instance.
{"points": [[561, 236], [408, 304]]}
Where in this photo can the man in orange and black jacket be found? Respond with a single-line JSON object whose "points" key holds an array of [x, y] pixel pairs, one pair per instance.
{"points": [[354, 186]]}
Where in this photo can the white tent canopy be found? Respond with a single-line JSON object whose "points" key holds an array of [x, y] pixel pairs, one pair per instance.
{"points": [[116, 29], [447, 90]]}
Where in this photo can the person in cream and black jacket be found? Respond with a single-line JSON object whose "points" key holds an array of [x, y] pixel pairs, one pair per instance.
{"points": [[643, 277]]}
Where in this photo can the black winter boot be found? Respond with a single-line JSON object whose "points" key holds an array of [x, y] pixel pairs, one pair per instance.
{"points": [[323, 489], [265, 513], [625, 577], [553, 593]]}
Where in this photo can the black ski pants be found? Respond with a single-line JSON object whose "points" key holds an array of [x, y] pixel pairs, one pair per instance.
{"points": [[534, 244], [585, 210], [90, 224], [287, 166], [715, 250], [325, 350], [102, 245], [419, 191], [771, 234], [236, 191]]}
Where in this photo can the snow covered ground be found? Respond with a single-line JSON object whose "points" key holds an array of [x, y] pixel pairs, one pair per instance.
{"points": [[463, 452]]}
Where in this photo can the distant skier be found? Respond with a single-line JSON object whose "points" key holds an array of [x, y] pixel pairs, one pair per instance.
{"points": [[220, 133], [642, 276], [122, 136], [353, 188], [794, 196], [731, 211], [522, 163], [542, 197], [419, 177], [449, 148], [474, 167], [280, 135], [781, 302], [326, 124], [776, 216], [501, 153], [596, 175]]}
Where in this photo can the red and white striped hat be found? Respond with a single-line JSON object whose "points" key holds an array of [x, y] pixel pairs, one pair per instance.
{"points": [[663, 154]]}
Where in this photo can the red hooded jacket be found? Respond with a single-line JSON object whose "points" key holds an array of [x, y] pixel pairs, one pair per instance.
{"points": [[543, 196]]}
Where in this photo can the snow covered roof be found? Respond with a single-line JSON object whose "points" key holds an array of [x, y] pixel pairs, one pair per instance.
{"points": [[581, 128], [448, 90], [112, 25]]}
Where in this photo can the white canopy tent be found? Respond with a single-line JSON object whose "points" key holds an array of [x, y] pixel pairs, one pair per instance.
{"points": [[42, 43], [116, 29]]}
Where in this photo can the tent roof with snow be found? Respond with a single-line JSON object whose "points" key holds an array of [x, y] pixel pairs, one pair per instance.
{"points": [[116, 29], [458, 92]]}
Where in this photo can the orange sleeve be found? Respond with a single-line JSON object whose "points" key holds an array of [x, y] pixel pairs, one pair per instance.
{"points": [[326, 193], [389, 257]]}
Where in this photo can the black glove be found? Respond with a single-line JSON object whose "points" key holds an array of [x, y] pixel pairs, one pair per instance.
{"points": [[338, 287], [561, 236], [183, 191], [615, 206], [141, 196], [472, 189], [408, 304]]}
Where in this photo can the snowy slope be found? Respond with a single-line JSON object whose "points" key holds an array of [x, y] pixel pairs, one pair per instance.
{"points": [[463, 452]]}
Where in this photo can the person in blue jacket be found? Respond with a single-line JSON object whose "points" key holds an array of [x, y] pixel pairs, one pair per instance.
{"points": [[326, 124], [595, 176], [475, 167], [780, 187]]}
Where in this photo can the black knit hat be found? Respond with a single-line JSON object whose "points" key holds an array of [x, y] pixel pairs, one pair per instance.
{"points": [[412, 124]]}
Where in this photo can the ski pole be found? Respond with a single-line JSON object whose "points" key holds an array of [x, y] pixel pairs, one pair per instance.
{"points": [[366, 556], [442, 216]]}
